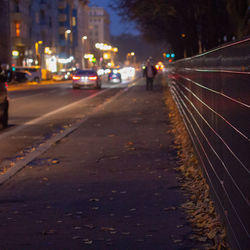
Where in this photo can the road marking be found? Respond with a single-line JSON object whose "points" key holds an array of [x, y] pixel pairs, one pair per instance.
{"points": [[20, 164], [36, 120]]}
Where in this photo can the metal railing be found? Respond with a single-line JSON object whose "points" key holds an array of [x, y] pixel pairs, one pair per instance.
{"points": [[212, 92]]}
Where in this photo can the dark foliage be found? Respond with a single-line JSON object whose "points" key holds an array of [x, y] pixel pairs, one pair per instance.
{"points": [[190, 26]]}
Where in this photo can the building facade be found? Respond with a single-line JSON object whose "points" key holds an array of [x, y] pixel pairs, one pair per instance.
{"points": [[53, 34], [99, 23], [43, 37], [20, 24], [83, 35], [5, 48]]}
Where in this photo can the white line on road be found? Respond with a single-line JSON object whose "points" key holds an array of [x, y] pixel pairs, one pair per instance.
{"points": [[37, 120], [45, 146]]}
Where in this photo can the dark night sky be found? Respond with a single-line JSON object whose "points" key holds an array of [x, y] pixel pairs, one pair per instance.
{"points": [[117, 27]]}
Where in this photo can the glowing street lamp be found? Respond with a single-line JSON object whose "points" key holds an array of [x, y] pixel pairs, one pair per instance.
{"points": [[47, 51], [15, 53], [37, 52]]}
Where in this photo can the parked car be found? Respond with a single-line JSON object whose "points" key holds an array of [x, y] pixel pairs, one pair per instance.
{"points": [[4, 103], [35, 72], [114, 75], [86, 78], [59, 76], [22, 76]]}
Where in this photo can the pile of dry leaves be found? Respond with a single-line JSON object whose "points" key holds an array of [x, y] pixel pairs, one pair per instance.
{"points": [[207, 227]]}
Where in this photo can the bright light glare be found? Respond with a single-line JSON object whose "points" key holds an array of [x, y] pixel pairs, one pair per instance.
{"points": [[100, 72], [51, 64], [88, 56], [65, 60], [127, 72], [15, 53]]}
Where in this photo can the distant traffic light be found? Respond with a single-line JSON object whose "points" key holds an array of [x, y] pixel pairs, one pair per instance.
{"points": [[169, 55], [13, 67]]}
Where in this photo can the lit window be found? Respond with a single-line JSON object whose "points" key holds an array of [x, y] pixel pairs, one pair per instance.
{"points": [[73, 21], [18, 29]]}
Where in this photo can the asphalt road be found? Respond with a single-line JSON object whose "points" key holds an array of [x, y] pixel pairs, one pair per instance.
{"points": [[38, 112], [109, 184]]}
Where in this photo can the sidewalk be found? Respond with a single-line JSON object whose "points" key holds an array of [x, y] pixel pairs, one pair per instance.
{"points": [[109, 185]]}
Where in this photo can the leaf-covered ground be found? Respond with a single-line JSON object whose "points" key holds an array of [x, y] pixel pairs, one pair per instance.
{"points": [[200, 209]]}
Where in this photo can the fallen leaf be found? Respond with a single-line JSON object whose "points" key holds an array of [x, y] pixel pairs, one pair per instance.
{"points": [[55, 161], [179, 226], [211, 234], [114, 157], [90, 226], [106, 229], [87, 241], [125, 233], [76, 237], [68, 214], [202, 239], [177, 241]]}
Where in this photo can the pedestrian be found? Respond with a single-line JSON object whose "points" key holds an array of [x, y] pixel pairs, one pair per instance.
{"points": [[149, 72]]}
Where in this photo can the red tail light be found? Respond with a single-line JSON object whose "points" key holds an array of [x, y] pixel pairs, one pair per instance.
{"points": [[76, 77], [93, 78]]}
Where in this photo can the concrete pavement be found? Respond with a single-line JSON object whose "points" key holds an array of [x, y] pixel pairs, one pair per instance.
{"points": [[111, 184]]}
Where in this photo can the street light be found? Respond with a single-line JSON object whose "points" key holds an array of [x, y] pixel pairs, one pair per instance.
{"points": [[37, 52], [84, 38], [67, 33]]}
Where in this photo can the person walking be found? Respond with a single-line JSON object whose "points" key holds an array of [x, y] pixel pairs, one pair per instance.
{"points": [[149, 72]]}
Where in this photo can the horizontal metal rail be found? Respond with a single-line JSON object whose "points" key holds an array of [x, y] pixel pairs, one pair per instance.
{"points": [[212, 93]]}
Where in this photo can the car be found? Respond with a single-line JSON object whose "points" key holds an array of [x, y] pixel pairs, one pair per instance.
{"points": [[22, 76], [86, 78], [4, 103], [114, 75], [59, 76], [35, 71]]}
